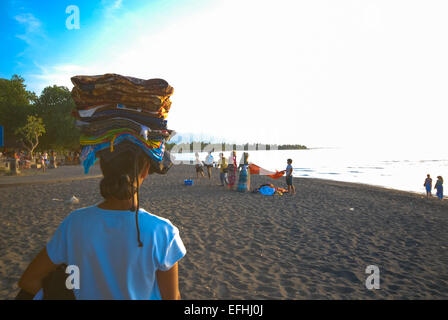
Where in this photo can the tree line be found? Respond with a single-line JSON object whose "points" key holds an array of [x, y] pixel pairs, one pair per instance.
{"points": [[37, 123]]}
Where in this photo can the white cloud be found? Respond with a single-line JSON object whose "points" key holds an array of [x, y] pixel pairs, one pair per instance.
{"points": [[33, 27], [111, 7]]}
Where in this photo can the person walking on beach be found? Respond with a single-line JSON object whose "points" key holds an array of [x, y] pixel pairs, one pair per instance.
{"points": [[244, 173], [43, 163], [439, 187], [209, 164], [120, 250], [198, 166], [223, 169], [231, 170], [288, 171], [47, 162], [428, 185]]}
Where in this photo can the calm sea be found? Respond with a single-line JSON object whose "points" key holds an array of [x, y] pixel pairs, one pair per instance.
{"points": [[396, 169]]}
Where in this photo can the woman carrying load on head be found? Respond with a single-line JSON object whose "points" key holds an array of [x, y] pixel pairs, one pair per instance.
{"points": [[121, 250], [244, 173]]}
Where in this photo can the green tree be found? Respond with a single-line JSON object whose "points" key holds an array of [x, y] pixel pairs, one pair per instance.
{"points": [[16, 103], [29, 134], [55, 105]]}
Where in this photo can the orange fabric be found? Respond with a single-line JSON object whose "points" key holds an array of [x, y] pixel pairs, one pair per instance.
{"points": [[254, 169], [277, 175]]}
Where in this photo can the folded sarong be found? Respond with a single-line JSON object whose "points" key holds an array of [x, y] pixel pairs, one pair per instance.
{"points": [[84, 100], [109, 80], [153, 123]]}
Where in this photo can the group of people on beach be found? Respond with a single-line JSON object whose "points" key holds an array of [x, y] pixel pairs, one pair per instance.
{"points": [[438, 186], [48, 160], [230, 170]]}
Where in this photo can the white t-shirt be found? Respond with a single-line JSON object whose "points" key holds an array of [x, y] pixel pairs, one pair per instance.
{"points": [[103, 244], [209, 159]]}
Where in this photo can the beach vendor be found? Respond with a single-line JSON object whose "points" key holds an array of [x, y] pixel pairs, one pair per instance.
{"points": [[244, 173], [428, 185], [121, 250], [439, 187], [209, 161], [231, 169]]}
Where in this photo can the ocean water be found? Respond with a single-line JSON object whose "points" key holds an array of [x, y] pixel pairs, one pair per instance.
{"points": [[390, 168]]}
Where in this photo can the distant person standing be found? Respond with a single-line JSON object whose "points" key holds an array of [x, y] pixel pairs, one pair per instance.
{"points": [[288, 171], [198, 165], [47, 162], [244, 175], [223, 168], [209, 164], [439, 187], [43, 162], [428, 185], [232, 168]]}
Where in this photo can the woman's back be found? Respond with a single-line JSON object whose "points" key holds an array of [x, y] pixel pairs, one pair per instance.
{"points": [[102, 244]]}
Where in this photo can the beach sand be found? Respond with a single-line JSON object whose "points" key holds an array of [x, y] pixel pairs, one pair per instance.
{"points": [[313, 245]]}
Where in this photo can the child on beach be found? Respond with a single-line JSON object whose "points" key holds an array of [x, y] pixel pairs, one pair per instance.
{"points": [[428, 185], [122, 251], [288, 171], [439, 187], [223, 166]]}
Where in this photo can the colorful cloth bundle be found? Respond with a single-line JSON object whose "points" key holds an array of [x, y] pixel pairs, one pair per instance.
{"points": [[112, 109]]}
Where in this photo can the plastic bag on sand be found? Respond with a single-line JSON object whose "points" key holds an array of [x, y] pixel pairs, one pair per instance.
{"points": [[73, 200]]}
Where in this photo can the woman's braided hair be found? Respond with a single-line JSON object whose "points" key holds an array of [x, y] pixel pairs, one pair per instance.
{"points": [[121, 169]]}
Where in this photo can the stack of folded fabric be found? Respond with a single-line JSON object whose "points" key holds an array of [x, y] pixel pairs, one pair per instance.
{"points": [[111, 109]]}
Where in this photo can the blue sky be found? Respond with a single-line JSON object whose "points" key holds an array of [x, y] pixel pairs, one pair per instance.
{"points": [[36, 38], [357, 73]]}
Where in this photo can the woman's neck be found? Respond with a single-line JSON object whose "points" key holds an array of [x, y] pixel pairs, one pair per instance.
{"points": [[119, 205]]}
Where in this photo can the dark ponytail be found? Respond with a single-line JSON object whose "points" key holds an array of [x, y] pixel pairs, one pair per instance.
{"points": [[121, 179], [119, 187], [121, 169]]}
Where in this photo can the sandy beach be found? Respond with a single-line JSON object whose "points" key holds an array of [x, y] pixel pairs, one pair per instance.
{"points": [[313, 245]]}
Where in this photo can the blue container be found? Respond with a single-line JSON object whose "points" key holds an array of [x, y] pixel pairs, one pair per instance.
{"points": [[188, 182]]}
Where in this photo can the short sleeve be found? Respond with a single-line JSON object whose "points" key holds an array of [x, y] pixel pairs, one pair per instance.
{"points": [[57, 246], [170, 249]]}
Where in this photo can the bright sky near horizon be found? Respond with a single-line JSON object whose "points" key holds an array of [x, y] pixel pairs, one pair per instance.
{"points": [[320, 73]]}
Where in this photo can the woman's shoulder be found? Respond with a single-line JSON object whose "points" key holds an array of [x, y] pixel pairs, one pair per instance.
{"points": [[155, 222]]}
